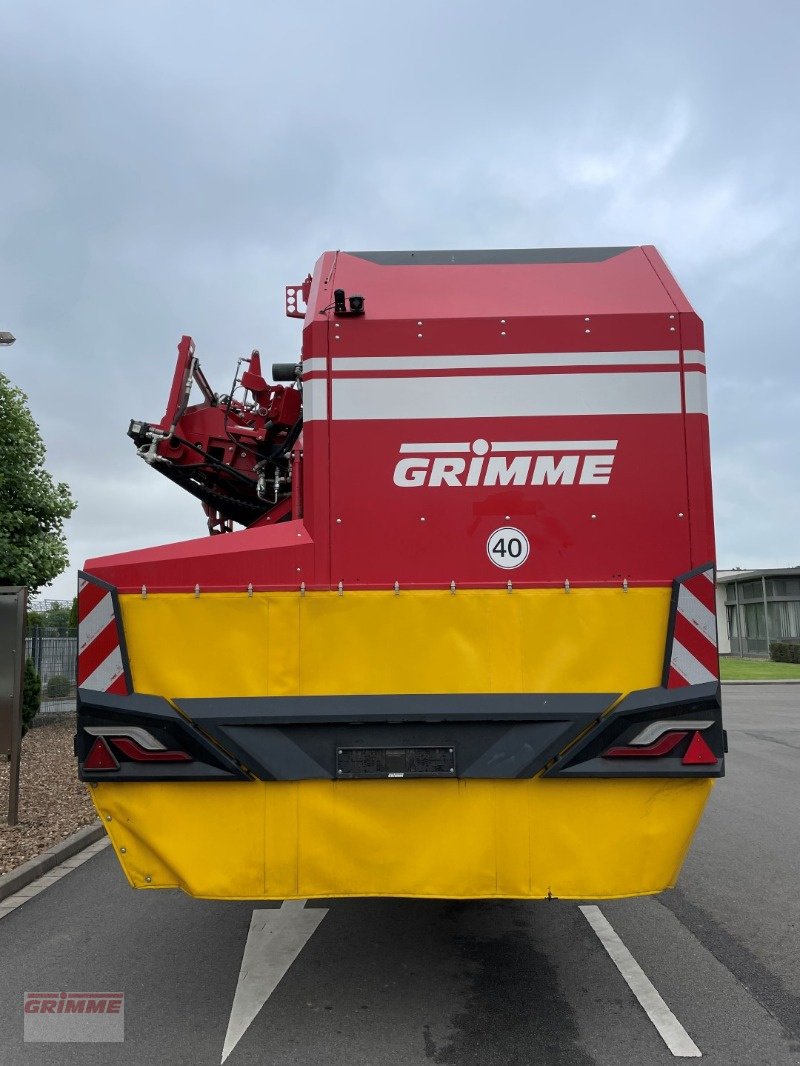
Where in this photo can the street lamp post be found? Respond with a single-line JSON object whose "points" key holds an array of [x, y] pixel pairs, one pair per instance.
{"points": [[7, 338]]}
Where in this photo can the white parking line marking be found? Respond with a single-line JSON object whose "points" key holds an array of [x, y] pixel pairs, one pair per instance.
{"points": [[669, 1028], [275, 939], [10, 903]]}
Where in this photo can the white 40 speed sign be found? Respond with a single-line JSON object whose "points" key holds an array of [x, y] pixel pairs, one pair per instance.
{"points": [[508, 547]]}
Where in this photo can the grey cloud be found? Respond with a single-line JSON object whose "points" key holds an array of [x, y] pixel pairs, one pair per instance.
{"points": [[168, 168]]}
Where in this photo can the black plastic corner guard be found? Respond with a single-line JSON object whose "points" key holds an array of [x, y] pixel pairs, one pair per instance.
{"points": [[159, 718], [586, 759]]}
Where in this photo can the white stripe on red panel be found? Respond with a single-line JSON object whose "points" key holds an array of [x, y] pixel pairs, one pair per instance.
{"points": [[315, 400], [694, 356], [698, 614], [95, 622], [693, 657], [554, 445], [685, 664], [456, 448], [696, 392], [496, 396], [319, 364], [109, 671], [500, 361]]}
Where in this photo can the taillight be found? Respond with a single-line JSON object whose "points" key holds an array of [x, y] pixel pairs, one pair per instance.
{"points": [[100, 757], [699, 753], [133, 741], [661, 747], [660, 738], [134, 751]]}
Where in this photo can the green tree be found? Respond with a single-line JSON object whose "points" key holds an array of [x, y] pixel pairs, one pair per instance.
{"points": [[56, 616], [33, 507]]}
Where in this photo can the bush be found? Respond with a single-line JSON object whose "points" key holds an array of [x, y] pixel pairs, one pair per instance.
{"points": [[57, 687], [31, 695], [786, 650]]}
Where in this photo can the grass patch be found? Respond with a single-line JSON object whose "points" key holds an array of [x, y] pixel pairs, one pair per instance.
{"points": [[756, 670]]}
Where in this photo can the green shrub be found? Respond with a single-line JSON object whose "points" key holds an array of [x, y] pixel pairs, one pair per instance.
{"points": [[786, 650], [31, 695], [57, 687]]}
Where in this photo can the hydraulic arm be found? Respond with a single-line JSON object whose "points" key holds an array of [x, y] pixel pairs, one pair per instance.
{"points": [[232, 451]]}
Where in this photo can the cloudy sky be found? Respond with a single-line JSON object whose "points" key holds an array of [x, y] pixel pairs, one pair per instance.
{"points": [[166, 167]]}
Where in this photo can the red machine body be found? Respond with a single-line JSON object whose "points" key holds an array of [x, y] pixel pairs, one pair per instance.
{"points": [[560, 392]]}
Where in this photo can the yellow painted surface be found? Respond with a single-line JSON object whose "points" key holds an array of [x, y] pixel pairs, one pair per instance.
{"points": [[284, 644], [461, 839], [452, 839]]}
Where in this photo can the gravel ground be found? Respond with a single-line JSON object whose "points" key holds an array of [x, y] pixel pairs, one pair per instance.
{"points": [[52, 801]]}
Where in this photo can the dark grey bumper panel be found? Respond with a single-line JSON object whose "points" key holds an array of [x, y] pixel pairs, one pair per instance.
{"points": [[499, 735], [674, 710]]}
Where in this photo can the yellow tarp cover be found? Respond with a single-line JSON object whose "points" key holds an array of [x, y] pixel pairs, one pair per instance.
{"points": [[276, 840]]}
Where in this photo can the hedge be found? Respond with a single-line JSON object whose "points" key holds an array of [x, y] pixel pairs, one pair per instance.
{"points": [[57, 687], [786, 650], [31, 695]]}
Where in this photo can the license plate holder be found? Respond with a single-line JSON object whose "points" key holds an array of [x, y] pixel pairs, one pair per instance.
{"points": [[374, 762]]}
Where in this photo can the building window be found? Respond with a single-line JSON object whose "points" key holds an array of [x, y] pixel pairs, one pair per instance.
{"points": [[783, 586], [751, 590], [784, 619], [755, 629]]}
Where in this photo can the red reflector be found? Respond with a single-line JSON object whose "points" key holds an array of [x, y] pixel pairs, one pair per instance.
{"points": [[134, 751], [698, 753], [663, 746], [100, 757]]}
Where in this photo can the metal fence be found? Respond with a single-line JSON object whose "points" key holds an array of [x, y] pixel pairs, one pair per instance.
{"points": [[54, 653]]}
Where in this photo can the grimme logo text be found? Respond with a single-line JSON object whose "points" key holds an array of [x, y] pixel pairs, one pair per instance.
{"points": [[73, 1002], [482, 463]]}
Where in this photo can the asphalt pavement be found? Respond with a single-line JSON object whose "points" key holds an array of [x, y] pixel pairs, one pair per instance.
{"points": [[414, 983]]}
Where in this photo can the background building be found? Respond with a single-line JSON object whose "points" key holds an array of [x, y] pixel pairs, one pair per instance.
{"points": [[755, 607]]}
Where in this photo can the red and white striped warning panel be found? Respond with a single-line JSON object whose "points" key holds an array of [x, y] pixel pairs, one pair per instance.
{"points": [[102, 663], [692, 656]]}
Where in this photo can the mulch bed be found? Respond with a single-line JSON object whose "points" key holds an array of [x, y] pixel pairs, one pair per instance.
{"points": [[53, 803]]}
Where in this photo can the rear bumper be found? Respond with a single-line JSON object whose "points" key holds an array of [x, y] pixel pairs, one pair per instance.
{"points": [[467, 736]]}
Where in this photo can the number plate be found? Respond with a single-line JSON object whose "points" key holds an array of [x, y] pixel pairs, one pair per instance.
{"points": [[395, 762]]}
